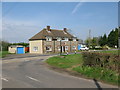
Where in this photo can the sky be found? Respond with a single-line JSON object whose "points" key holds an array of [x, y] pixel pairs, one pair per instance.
{"points": [[22, 20]]}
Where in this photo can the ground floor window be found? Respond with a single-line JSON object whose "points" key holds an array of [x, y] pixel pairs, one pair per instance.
{"points": [[66, 48], [73, 47], [35, 48], [59, 48], [48, 48]]}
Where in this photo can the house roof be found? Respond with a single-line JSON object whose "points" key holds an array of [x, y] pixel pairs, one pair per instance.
{"points": [[52, 33]]}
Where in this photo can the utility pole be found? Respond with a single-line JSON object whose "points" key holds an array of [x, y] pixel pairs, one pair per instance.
{"points": [[89, 37]]}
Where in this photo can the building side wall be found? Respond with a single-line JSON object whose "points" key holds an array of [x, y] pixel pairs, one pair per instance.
{"points": [[36, 43], [12, 50]]}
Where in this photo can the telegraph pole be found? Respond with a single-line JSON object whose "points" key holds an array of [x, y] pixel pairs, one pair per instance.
{"points": [[89, 37]]}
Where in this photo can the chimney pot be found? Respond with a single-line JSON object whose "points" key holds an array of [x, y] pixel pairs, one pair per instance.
{"points": [[48, 28], [65, 29]]}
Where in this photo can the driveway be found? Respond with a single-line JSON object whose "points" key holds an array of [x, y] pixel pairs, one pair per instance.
{"points": [[30, 72]]}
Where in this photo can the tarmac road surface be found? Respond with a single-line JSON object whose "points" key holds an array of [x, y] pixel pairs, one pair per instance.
{"points": [[30, 72]]}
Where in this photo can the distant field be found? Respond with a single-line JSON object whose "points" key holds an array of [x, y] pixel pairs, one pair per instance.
{"points": [[3, 53]]}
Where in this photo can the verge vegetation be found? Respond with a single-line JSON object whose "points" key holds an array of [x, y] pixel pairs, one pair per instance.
{"points": [[85, 65], [3, 53]]}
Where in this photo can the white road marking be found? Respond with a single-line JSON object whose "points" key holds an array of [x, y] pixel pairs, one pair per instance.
{"points": [[33, 78], [27, 60], [4, 79]]}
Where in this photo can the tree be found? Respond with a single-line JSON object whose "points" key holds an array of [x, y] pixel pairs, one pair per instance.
{"points": [[94, 42], [22, 43], [113, 38], [4, 45], [103, 40]]}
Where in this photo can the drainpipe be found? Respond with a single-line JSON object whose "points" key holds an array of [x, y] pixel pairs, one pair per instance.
{"points": [[60, 48], [54, 46]]}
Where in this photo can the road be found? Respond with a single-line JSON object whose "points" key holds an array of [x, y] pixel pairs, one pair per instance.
{"points": [[30, 72]]}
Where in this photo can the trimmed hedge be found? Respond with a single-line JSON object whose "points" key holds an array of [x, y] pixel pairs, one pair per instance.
{"points": [[104, 60]]}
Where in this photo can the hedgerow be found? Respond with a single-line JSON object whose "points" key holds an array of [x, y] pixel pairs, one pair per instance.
{"points": [[104, 60]]}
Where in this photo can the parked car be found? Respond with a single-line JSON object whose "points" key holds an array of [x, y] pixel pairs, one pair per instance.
{"points": [[84, 48]]}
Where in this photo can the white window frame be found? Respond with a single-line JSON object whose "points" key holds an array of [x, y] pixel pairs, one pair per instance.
{"points": [[50, 48], [35, 48], [66, 48], [65, 39], [48, 38], [58, 39], [74, 39], [58, 48], [73, 47]]}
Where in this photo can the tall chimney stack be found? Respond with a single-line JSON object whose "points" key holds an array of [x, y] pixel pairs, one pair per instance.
{"points": [[65, 29], [48, 28]]}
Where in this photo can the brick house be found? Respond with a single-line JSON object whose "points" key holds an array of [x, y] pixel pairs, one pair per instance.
{"points": [[53, 41]]}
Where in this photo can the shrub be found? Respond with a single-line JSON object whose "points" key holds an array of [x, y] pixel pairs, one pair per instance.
{"points": [[104, 60]]}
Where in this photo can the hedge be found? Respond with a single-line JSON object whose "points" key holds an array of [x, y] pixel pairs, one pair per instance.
{"points": [[105, 60]]}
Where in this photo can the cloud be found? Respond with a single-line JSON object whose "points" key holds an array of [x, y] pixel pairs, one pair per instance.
{"points": [[76, 7], [15, 31]]}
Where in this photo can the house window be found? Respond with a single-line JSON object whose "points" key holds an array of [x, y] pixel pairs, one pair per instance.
{"points": [[48, 38], [66, 47], [48, 48], [58, 39], [74, 39], [65, 39], [35, 48], [73, 47], [58, 48]]}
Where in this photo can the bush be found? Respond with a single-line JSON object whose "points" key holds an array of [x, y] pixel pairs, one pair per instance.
{"points": [[105, 60]]}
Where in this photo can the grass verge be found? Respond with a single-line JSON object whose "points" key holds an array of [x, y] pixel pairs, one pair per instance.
{"points": [[65, 61], [74, 63], [3, 53]]}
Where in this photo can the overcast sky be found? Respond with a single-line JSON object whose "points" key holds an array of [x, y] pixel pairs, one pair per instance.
{"points": [[22, 20]]}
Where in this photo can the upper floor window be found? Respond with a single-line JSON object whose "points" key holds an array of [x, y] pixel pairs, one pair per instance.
{"points": [[48, 38], [58, 38], [74, 39], [65, 39]]}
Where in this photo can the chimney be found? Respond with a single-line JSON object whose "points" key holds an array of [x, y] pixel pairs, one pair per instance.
{"points": [[48, 28], [65, 29]]}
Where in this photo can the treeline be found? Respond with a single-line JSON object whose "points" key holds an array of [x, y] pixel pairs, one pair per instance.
{"points": [[111, 40], [22, 43], [4, 45]]}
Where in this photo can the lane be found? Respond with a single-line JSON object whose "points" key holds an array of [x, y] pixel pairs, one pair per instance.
{"points": [[32, 73]]}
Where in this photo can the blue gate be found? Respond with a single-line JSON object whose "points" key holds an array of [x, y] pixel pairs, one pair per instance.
{"points": [[20, 50]]}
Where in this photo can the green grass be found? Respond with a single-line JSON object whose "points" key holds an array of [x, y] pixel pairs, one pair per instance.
{"points": [[74, 63], [98, 73], [112, 52], [3, 53], [65, 61]]}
